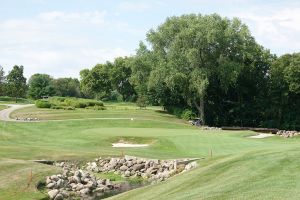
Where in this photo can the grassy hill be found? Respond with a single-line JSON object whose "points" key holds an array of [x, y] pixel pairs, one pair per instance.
{"points": [[240, 167]]}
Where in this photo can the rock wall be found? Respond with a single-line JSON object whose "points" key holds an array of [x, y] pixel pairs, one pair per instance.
{"points": [[287, 134]]}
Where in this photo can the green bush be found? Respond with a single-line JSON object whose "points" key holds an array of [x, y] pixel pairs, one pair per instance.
{"points": [[42, 104], [175, 111], [79, 104], [141, 102], [70, 103], [188, 114], [94, 103]]}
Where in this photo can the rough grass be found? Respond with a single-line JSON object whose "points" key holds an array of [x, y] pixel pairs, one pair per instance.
{"points": [[240, 167], [2, 107], [11, 100]]}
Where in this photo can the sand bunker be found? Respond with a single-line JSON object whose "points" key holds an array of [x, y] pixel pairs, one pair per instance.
{"points": [[262, 135], [128, 145]]}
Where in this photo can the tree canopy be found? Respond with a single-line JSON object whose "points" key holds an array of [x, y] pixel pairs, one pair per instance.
{"points": [[16, 82], [192, 52], [40, 85]]}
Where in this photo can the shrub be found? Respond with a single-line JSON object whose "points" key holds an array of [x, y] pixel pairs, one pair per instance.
{"points": [[80, 104], [175, 111], [42, 104], [72, 103], [94, 103], [188, 114], [141, 102]]}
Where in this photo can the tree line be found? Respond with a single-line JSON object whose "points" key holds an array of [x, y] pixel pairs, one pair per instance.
{"points": [[38, 86], [203, 65]]}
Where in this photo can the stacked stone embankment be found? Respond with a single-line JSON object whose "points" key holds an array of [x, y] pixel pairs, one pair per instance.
{"points": [[83, 183]]}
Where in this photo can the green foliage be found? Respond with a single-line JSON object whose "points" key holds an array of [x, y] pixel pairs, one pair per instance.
{"points": [[42, 104], [2, 81], [56, 107], [141, 102], [106, 81], [11, 99], [283, 109], [40, 85], [191, 52], [188, 114], [292, 74], [16, 82], [67, 87], [71, 103], [120, 73], [96, 82]]}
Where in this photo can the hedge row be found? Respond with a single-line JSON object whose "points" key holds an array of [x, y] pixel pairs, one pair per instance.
{"points": [[69, 103]]}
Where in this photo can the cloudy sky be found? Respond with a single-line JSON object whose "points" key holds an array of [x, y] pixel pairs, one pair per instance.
{"points": [[61, 37]]}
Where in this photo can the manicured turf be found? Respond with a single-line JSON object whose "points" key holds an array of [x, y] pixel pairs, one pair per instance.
{"points": [[240, 167]]}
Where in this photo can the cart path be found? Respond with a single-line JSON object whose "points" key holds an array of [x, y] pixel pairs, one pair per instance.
{"points": [[5, 114]]}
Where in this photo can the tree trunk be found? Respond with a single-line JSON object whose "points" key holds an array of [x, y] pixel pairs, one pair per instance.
{"points": [[200, 108]]}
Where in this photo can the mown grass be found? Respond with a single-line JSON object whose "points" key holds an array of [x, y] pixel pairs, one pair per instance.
{"points": [[240, 167]]}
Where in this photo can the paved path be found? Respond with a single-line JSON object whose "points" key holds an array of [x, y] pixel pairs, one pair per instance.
{"points": [[5, 114]]}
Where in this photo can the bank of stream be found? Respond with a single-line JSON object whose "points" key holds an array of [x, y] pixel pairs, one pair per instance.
{"points": [[105, 177]]}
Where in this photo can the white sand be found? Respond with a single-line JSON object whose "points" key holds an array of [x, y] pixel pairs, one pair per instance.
{"points": [[129, 145], [262, 135]]}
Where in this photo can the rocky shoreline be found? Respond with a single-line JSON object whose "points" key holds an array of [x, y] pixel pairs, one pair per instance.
{"points": [[82, 182]]}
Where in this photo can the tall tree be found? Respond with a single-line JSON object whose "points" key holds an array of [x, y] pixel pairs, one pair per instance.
{"points": [[67, 87], [284, 97], [17, 82], [2, 81], [40, 85], [120, 74], [96, 82], [141, 66], [194, 50]]}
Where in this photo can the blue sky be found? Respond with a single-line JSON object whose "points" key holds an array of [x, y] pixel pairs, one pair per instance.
{"points": [[61, 37]]}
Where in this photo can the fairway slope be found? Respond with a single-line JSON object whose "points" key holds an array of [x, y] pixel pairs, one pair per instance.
{"points": [[254, 175], [234, 165]]}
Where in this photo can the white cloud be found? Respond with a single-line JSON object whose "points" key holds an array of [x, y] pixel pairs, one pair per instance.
{"points": [[277, 28], [59, 63], [54, 43]]}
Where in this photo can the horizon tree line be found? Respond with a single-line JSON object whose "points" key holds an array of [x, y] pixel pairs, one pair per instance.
{"points": [[205, 65]]}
